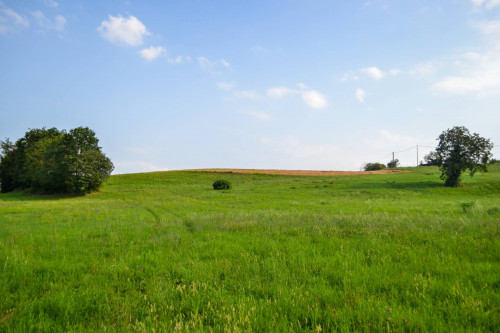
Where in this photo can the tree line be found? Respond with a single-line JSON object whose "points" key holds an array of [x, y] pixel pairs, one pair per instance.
{"points": [[54, 161]]}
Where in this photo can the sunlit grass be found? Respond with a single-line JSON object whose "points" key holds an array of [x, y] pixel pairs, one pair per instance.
{"points": [[163, 251]]}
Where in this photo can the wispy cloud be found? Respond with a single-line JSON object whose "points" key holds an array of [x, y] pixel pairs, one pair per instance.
{"points": [[51, 3], [312, 98], [247, 94], [225, 85], [212, 67], [280, 92], [11, 21], [123, 31], [206, 64], [179, 60], [478, 73], [488, 4], [360, 95], [46, 24], [259, 115], [371, 72]]}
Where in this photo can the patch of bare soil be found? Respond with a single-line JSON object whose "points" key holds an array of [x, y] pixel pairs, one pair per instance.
{"points": [[301, 172]]}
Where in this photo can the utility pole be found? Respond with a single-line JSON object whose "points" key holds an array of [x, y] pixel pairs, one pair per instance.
{"points": [[417, 156], [393, 156]]}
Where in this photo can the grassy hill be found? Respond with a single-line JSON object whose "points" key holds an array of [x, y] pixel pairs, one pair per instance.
{"points": [[163, 252]]}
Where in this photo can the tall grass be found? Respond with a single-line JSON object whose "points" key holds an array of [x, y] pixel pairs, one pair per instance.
{"points": [[164, 252]]}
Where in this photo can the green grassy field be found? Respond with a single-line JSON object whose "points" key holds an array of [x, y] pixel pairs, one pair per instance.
{"points": [[164, 252]]}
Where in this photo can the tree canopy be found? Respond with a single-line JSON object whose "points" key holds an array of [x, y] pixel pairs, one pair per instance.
{"points": [[458, 151], [54, 161]]}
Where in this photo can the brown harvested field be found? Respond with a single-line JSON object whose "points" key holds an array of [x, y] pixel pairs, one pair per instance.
{"points": [[300, 172]]}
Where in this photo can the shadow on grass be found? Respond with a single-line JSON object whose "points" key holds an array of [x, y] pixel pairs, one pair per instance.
{"points": [[26, 196]]}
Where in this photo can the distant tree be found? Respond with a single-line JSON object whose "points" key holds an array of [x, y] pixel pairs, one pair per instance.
{"points": [[53, 161], [432, 159], [459, 151], [393, 164], [373, 166]]}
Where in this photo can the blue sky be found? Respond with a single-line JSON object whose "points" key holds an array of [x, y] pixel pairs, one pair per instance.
{"points": [[297, 84]]}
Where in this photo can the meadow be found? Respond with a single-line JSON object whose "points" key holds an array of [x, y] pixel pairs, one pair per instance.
{"points": [[161, 252]]}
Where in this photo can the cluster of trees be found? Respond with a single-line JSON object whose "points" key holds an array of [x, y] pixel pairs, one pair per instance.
{"points": [[379, 166], [458, 151], [54, 161]]}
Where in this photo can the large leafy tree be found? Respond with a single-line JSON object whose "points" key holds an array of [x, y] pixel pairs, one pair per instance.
{"points": [[459, 151], [53, 161]]}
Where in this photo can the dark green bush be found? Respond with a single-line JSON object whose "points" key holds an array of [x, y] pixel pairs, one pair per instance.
{"points": [[373, 166], [222, 184]]}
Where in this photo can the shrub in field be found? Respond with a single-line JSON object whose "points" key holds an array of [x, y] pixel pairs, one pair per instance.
{"points": [[393, 164], [53, 161], [222, 184], [467, 206], [373, 166]]}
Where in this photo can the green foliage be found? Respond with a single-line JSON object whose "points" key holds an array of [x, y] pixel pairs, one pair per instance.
{"points": [[221, 184], [161, 252], [467, 206], [393, 164], [53, 161], [432, 159], [459, 151], [373, 166]]}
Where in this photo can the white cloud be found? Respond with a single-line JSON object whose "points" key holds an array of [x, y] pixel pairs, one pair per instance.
{"points": [[225, 63], [11, 21], [360, 95], [51, 3], [259, 115], [373, 72], [151, 53], [310, 97], [314, 99], [225, 85], [123, 31], [280, 92], [46, 24], [480, 73]]}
